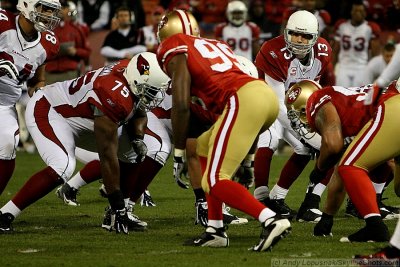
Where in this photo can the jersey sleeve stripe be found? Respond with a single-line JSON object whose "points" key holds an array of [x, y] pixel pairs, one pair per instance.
{"points": [[180, 49]]}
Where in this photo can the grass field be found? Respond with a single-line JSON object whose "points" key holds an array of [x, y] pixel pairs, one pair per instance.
{"points": [[49, 233]]}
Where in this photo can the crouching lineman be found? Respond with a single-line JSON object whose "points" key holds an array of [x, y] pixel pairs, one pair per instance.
{"points": [[87, 112]]}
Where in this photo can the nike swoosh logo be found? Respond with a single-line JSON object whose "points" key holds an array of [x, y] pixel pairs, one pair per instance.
{"points": [[197, 241]]}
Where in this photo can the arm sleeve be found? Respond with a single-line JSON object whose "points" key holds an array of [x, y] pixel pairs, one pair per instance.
{"points": [[110, 52]]}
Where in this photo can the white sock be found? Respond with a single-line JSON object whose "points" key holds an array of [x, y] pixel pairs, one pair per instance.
{"points": [[76, 181], [278, 192], [395, 240], [378, 187], [261, 192], [10, 207], [265, 214], [216, 223], [319, 189]]}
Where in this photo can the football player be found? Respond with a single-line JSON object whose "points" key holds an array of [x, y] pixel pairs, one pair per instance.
{"points": [[369, 114], [296, 55], [355, 39], [241, 35], [87, 112], [207, 69], [26, 43]]}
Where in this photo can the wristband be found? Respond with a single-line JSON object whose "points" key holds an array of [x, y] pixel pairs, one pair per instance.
{"points": [[179, 152]]}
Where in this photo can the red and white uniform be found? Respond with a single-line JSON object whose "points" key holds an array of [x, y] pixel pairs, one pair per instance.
{"points": [[61, 116], [27, 57], [354, 51], [281, 70], [240, 39]]}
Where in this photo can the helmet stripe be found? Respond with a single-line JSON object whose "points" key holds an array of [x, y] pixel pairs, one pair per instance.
{"points": [[184, 17]]}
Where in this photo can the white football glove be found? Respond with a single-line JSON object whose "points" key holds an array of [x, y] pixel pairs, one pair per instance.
{"points": [[8, 68]]}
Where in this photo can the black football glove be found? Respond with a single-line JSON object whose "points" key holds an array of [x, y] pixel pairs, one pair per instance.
{"points": [[245, 173], [8, 68], [140, 149], [180, 169], [317, 175], [119, 221]]}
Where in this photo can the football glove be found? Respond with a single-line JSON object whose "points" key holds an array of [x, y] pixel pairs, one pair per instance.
{"points": [[317, 175], [245, 173], [180, 168], [140, 149], [119, 221], [8, 68]]}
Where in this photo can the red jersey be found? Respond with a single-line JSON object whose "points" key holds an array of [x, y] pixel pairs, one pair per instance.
{"points": [[213, 68], [276, 61], [350, 104], [105, 88]]}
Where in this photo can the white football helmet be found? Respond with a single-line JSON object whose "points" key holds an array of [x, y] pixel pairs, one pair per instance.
{"points": [[43, 13], [146, 80], [247, 66], [236, 12], [177, 21], [296, 100], [301, 23]]}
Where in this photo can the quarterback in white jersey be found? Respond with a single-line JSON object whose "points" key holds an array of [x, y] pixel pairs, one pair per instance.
{"points": [[378, 63], [355, 39], [242, 36], [297, 55], [87, 112], [26, 43], [391, 71]]}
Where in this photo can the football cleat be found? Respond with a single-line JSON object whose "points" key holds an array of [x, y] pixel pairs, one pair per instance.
{"points": [[386, 214], [212, 237], [68, 194], [378, 233], [146, 200], [324, 226], [311, 215], [134, 223], [273, 230], [5, 222], [388, 256], [230, 218], [202, 215], [351, 210], [279, 206]]}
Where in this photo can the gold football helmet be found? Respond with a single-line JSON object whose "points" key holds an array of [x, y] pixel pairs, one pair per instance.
{"points": [[177, 21], [296, 101]]}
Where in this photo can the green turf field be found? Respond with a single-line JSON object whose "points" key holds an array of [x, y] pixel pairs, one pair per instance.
{"points": [[49, 233]]}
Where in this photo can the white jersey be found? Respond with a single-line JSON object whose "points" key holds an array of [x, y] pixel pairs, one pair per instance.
{"points": [[26, 56], [392, 70], [240, 39], [374, 68], [354, 42], [149, 35]]}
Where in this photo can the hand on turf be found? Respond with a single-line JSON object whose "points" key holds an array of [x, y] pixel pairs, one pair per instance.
{"points": [[119, 220]]}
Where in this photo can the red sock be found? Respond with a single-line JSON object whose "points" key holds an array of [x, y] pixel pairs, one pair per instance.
{"points": [[292, 169], [38, 186], [262, 165], [359, 188], [237, 197], [6, 171], [147, 171], [91, 171], [214, 208]]}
